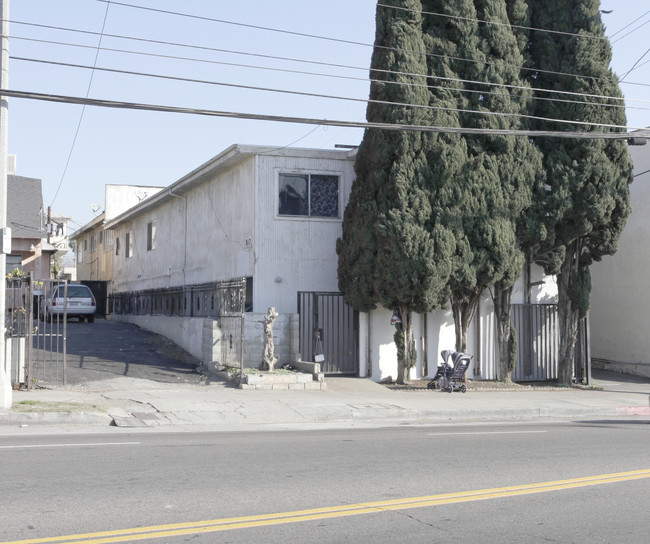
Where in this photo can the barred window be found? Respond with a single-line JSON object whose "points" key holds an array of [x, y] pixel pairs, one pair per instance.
{"points": [[311, 195]]}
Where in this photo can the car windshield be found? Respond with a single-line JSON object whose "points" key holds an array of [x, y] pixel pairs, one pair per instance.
{"points": [[76, 291]]}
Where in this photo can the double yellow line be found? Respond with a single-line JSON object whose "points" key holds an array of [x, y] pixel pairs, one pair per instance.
{"points": [[298, 516]]}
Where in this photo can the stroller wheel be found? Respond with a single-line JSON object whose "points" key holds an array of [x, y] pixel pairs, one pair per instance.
{"points": [[463, 388], [450, 389], [431, 385]]}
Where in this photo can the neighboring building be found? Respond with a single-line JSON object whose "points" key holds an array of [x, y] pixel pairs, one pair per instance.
{"points": [[272, 216], [58, 237], [620, 311], [30, 252]]}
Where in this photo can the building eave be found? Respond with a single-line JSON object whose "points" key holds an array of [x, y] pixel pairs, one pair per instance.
{"points": [[227, 159], [87, 227]]}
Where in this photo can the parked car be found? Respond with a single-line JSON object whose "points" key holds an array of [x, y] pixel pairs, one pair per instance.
{"points": [[80, 303]]}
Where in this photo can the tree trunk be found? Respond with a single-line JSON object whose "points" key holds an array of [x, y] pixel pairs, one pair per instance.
{"points": [[502, 299], [568, 315], [464, 308], [406, 355]]}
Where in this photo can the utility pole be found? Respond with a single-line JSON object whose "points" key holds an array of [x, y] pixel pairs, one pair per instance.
{"points": [[5, 380]]}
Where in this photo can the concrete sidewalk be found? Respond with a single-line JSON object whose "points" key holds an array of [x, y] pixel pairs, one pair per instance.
{"points": [[131, 402]]}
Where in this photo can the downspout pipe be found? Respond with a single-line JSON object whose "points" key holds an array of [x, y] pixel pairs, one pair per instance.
{"points": [[171, 193]]}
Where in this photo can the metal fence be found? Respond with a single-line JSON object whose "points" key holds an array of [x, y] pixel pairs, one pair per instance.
{"points": [[538, 343], [223, 300], [214, 299], [35, 348]]}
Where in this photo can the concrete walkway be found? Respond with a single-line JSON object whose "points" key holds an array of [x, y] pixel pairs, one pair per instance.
{"points": [[347, 402]]}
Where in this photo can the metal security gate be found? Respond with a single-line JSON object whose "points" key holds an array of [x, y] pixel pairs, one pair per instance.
{"points": [[36, 348], [329, 327], [538, 344]]}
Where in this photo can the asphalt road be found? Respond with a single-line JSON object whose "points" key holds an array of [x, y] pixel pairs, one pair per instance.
{"points": [[568, 482], [108, 349]]}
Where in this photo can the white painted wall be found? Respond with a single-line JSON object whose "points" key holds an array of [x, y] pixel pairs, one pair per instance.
{"points": [[620, 309], [379, 354]]}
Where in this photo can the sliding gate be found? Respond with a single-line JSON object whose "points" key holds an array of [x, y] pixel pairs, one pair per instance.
{"points": [[329, 332]]}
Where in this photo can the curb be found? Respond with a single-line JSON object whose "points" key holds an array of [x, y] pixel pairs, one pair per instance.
{"points": [[54, 418], [350, 414]]}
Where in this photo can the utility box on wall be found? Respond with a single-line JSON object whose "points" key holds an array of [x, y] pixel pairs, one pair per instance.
{"points": [[5, 240]]}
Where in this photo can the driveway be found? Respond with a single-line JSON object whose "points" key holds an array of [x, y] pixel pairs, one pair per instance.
{"points": [[108, 349]]}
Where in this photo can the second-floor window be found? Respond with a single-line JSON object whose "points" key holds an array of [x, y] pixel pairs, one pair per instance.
{"points": [[310, 195], [151, 235], [109, 239], [128, 245]]}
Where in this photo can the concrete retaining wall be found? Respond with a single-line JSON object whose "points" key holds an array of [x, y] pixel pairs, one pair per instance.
{"points": [[187, 332], [215, 342], [635, 369]]}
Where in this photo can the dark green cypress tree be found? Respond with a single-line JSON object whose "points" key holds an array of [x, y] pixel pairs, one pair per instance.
{"points": [[586, 203], [525, 224], [447, 153], [390, 254], [494, 186]]}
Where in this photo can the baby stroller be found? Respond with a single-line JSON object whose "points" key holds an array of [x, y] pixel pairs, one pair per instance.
{"points": [[444, 371], [451, 378]]}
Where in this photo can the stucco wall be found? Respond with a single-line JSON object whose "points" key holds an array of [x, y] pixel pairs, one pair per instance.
{"points": [[295, 254], [200, 236], [620, 309]]}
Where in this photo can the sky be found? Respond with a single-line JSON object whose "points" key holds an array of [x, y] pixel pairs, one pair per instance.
{"points": [[76, 151]]}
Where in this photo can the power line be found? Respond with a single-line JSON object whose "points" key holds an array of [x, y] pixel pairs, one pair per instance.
{"points": [[630, 32], [83, 109], [628, 25], [325, 122], [319, 95], [635, 64], [349, 42], [483, 21], [365, 79], [306, 61]]}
